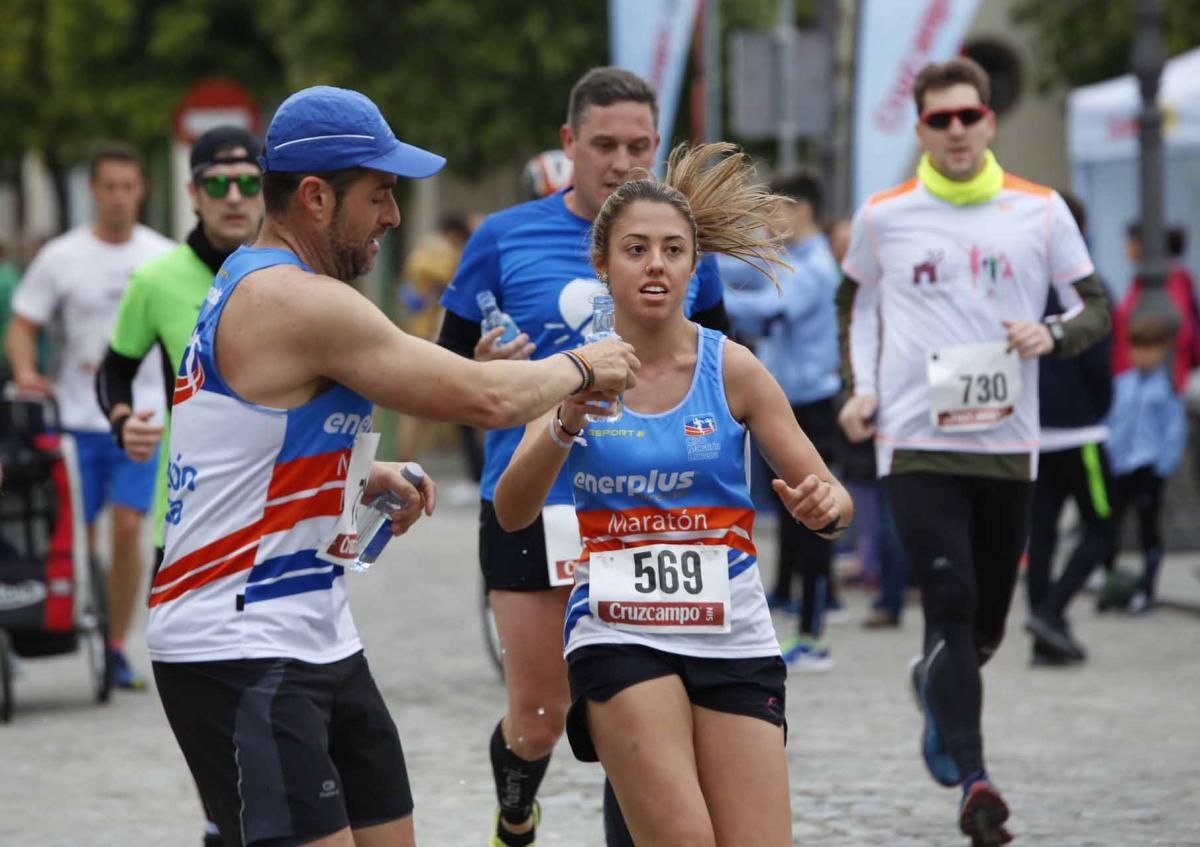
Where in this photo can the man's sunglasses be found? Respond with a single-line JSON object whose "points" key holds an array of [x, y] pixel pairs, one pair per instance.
{"points": [[969, 116], [218, 186]]}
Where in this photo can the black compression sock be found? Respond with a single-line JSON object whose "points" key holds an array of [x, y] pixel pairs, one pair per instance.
{"points": [[512, 839], [517, 781]]}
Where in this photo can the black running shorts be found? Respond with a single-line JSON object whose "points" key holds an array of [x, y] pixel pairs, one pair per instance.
{"points": [[512, 561], [752, 687], [283, 751]]}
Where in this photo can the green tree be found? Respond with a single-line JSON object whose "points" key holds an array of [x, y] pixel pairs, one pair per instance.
{"points": [[1077, 42], [74, 72], [477, 82]]}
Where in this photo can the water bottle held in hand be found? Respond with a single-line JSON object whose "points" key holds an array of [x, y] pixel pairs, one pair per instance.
{"points": [[375, 521], [493, 317], [603, 318]]}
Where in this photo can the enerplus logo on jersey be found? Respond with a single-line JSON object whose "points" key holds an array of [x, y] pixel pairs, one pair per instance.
{"points": [[347, 423], [656, 482]]}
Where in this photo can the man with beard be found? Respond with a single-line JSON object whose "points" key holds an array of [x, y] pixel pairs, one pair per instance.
{"points": [[257, 660]]}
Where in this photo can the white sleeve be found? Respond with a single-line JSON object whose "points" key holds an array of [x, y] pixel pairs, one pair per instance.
{"points": [[861, 263], [864, 339], [1066, 252], [36, 298]]}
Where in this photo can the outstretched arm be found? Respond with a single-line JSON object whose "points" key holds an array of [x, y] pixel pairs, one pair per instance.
{"points": [[811, 493]]}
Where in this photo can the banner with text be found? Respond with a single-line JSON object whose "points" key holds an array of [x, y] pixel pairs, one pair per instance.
{"points": [[896, 38], [651, 38]]}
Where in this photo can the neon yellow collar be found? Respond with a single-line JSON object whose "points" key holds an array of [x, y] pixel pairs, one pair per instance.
{"points": [[978, 189]]}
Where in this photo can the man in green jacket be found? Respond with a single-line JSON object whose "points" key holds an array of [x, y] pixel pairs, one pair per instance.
{"points": [[164, 295]]}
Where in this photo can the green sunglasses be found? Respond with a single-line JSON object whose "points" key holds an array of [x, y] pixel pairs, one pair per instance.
{"points": [[218, 186]]}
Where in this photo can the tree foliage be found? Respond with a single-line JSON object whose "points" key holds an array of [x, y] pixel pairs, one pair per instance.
{"points": [[1078, 42]]}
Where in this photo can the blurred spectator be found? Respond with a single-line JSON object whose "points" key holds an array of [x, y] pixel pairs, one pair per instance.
{"points": [[10, 277], [1146, 441], [1180, 288], [427, 271], [1074, 398], [838, 234], [794, 329]]}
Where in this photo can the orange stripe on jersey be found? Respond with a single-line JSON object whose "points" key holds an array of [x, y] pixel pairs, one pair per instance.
{"points": [[325, 503], [243, 561], [1015, 183], [895, 191], [307, 472], [599, 522], [615, 527]]}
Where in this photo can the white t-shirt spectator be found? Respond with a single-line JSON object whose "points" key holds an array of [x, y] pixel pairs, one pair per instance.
{"points": [[82, 278]]}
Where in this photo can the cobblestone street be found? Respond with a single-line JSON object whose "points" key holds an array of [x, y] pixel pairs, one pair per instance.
{"points": [[1106, 754]]}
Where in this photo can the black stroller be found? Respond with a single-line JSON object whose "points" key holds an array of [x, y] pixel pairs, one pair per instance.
{"points": [[52, 596]]}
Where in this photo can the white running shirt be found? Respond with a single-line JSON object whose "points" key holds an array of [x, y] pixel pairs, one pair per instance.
{"points": [[932, 276], [83, 278]]}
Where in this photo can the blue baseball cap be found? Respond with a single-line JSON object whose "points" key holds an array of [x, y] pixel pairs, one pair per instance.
{"points": [[331, 129]]}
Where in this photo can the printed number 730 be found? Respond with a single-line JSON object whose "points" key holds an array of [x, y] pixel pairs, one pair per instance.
{"points": [[988, 388]]}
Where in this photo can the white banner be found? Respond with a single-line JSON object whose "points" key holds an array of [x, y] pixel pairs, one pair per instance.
{"points": [[896, 38], [651, 38]]}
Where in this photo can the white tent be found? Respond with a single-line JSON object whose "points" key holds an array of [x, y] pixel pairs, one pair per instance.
{"points": [[1103, 143]]}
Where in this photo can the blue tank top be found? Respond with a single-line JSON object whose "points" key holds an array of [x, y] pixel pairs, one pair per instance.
{"points": [[675, 477]]}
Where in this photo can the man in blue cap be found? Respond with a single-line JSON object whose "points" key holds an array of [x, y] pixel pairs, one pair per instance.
{"points": [[256, 658]]}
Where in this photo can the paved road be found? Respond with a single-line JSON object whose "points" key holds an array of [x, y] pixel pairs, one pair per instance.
{"points": [[1108, 754]]}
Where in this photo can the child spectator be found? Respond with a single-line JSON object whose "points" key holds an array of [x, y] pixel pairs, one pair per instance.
{"points": [[1146, 440]]}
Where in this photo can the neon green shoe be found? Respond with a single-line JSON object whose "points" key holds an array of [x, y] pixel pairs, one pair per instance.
{"points": [[537, 820]]}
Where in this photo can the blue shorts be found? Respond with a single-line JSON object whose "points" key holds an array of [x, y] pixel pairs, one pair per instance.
{"points": [[109, 476]]}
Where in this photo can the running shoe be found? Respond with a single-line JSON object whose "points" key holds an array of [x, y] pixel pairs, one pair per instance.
{"points": [[982, 815], [880, 619], [807, 654], [1139, 603], [123, 674], [1056, 634], [537, 819], [933, 749]]}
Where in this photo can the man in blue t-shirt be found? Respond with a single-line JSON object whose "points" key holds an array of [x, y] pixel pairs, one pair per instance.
{"points": [[534, 259]]}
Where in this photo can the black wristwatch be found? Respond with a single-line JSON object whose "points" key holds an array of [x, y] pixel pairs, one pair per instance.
{"points": [[1057, 333]]}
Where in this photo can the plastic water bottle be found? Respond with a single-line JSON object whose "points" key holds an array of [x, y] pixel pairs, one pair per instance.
{"points": [[603, 318], [493, 317], [375, 521]]}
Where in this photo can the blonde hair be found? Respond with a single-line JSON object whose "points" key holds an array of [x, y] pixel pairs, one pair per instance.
{"points": [[729, 213]]}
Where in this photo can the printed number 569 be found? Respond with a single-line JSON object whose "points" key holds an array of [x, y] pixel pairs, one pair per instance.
{"points": [[664, 575]]}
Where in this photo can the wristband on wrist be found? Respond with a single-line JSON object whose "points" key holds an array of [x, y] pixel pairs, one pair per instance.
{"points": [[585, 369], [558, 420], [566, 445], [574, 360], [118, 429]]}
